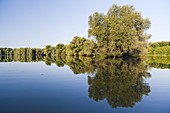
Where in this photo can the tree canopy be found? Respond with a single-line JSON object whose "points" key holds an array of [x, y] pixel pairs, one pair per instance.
{"points": [[121, 31]]}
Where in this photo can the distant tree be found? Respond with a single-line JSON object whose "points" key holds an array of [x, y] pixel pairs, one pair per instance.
{"points": [[89, 48], [47, 50], [76, 46], [39, 52], [6, 51], [159, 44], [60, 49], [53, 51], [164, 50], [59, 61]]}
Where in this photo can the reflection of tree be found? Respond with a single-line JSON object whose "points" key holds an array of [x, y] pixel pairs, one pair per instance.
{"points": [[162, 62], [120, 82], [6, 58], [80, 65], [59, 62], [20, 58]]}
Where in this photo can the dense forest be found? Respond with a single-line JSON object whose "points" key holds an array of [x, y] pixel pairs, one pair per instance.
{"points": [[78, 47], [120, 32]]}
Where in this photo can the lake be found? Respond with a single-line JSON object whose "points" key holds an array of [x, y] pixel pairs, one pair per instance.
{"points": [[83, 85]]}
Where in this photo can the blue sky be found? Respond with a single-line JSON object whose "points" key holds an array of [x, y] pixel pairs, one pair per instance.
{"points": [[36, 23]]}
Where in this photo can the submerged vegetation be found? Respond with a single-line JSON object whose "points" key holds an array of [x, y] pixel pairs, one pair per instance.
{"points": [[121, 32]]}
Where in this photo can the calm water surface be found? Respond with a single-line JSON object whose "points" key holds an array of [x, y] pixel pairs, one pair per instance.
{"points": [[35, 87]]}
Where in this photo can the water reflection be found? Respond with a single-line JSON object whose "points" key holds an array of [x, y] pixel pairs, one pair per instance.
{"points": [[162, 62], [119, 81]]}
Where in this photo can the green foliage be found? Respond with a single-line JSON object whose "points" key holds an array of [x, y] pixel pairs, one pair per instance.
{"points": [[80, 46], [159, 51], [26, 58], [159, 44], [119, 82], [162, 62], [48, 50], [21, 51], [60, 49], [80, 64], [59, 61], [89, 48], [121, 31], [159, 48], [76, 46]]}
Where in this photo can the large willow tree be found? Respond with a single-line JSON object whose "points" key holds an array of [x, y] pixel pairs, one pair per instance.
{"points": [[122, 31]]}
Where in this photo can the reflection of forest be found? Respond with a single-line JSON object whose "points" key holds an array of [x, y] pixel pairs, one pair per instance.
{"points": [[162, 62], [120, 82], [20, 58]]}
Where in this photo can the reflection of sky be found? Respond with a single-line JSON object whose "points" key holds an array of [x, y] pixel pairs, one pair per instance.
{"points": [[37, 73], [24, 85], [28, 87], [159, 97]]}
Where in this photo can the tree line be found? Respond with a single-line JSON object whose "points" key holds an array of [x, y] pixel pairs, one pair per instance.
{"points": [[159, 44], [120, 32], [21, 51], [159, 48]]}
